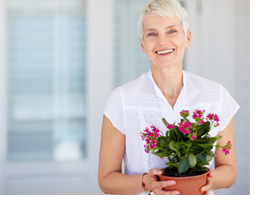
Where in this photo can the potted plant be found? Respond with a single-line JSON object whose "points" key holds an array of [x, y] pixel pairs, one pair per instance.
{"points": [[188, 147]]}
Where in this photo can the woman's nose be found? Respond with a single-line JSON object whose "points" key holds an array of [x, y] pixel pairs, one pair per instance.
{"points": [[163, 40]]}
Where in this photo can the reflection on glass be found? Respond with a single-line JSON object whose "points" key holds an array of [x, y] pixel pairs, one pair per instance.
{"points": [[130, 62], [46, 80]]}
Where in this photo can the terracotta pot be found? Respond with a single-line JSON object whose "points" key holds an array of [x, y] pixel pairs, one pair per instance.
{"points": [[190, 185]]}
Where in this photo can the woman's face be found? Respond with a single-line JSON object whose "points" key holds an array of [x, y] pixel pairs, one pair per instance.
{"points": [[164, 41]]}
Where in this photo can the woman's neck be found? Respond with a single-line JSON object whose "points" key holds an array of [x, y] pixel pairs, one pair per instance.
{"points": [[169, 81]]}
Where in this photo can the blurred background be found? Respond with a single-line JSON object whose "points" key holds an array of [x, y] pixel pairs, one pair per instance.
{"points": [[59, 62]]}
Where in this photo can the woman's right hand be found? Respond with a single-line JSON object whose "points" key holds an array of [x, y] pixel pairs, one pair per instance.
{"points": [[152, 183]]}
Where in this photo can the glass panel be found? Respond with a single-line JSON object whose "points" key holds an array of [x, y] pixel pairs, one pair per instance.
{"points": [[130, 62], [46, 80]]}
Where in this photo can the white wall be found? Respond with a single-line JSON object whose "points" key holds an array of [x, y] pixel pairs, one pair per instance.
{"points": [[99, 71], [220, 51], [2, 89]]}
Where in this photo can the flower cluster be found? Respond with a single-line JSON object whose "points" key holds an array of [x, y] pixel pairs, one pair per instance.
{"points": [[213, 117], [150, 137], [198, 116], [170, 126], [184, 113], [226, 148], [185, 126]]}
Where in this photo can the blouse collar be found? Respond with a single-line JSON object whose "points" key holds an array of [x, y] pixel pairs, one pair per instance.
{"points": [[158, 91]]}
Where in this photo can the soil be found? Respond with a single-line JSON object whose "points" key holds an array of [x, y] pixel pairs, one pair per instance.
{"points": [[171, 173]]}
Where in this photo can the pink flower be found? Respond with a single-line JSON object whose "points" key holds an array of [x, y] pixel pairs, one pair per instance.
{"points": [[210, 116], [226, 148], [198, 116], [193, 137], [213, 117], [150, 138], [184, 127], [170, 126], [184, 113]]}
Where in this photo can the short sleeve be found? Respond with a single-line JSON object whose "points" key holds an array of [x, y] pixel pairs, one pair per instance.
{"points": [[229, 107], [114, 109]]}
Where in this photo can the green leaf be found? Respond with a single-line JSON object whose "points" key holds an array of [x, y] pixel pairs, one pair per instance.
{"points": [[209, 156], [172, 145], [206, 147], [183, 165], [160, 154], [164, 121], [205, 128], [206, 157], [171, 134], [196, 149], [202, 157], [177, 134], [184, 151], [192, 160], [171, 164], [177, 145], [161, 142]]}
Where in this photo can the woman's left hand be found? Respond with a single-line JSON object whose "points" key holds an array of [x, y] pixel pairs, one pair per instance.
{"points": [[208, 185]]}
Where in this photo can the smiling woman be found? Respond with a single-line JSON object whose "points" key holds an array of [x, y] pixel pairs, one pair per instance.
{"points": [[164, 41], [162, 92]]}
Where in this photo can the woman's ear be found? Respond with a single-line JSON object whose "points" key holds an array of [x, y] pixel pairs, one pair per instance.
{"points": [[188, 38]]}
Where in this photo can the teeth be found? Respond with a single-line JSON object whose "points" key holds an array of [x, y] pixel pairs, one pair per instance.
{"points": [[165, 51]]}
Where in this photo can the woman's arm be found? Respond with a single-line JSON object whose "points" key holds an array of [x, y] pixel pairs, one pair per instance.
{"points": [[225, 172], [110, 177]]}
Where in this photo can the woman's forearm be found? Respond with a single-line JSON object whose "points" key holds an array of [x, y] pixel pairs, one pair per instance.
{"points": [[118, 183], [224, 176]]}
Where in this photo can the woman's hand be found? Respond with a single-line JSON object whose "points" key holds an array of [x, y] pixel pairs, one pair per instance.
{"points": [[152, 183], [208, 185]]}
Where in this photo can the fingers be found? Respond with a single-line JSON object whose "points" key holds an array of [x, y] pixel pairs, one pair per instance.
{"points": [[155, 171], [158, 186], [208, 185], [162, 184], [163, 192]]}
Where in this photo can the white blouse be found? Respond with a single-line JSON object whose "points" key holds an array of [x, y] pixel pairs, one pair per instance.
{"points": [[140, 103]]}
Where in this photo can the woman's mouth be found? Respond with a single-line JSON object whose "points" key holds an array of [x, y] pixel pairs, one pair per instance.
{"points": [[164, 52]]}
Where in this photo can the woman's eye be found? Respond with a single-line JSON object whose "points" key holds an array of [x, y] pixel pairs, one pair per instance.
{"points": [[172, 31], [151, 34]]}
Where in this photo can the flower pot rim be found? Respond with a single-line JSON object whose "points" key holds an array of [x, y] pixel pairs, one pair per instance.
{"points": [[185, 177]]}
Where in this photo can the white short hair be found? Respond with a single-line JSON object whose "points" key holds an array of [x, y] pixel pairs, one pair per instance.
{"points": [[164, 8]]}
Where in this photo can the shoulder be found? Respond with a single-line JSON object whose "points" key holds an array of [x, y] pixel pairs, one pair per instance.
{"points": [[197, 84], [137, 86], [132, 89]]}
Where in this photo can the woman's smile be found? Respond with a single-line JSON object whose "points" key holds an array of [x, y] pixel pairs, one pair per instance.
{"points": [[165, 52]]}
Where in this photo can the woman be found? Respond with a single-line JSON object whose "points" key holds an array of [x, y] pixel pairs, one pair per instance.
{"points": [[162, 92]]}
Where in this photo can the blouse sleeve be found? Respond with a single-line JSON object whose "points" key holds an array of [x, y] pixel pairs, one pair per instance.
{"points": [[229, 107], [114, 110]]}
